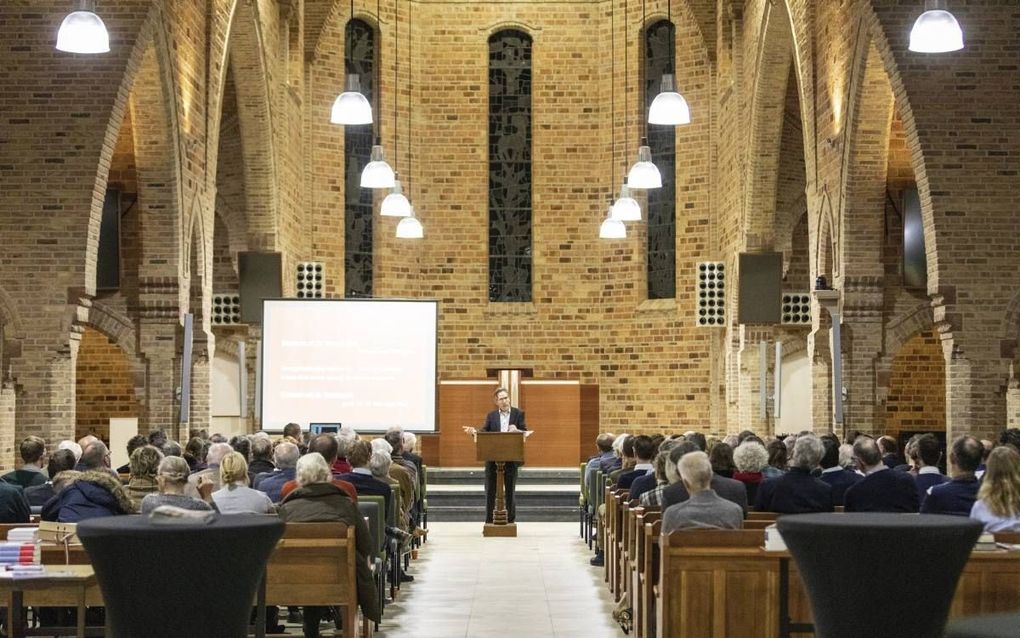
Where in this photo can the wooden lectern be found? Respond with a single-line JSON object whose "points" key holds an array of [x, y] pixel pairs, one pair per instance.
{"points": [[499, 447]]}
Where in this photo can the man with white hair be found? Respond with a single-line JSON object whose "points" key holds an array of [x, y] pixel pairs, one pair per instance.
{"points": [[704, 509], [398, 473], [212, 471], [797, 491], [73, 447], [285, 457]]}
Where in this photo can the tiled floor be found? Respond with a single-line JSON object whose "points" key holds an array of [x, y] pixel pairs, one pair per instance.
{"points": [[537, 585]]}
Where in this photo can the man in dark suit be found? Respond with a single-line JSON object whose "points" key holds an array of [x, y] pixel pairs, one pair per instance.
{"points": [[503, 419], [838, 478], [358, 453], [728, 489], [958, 495], [644, 452], [890, 452], [882, 489], [929, 452], [797, 491]]}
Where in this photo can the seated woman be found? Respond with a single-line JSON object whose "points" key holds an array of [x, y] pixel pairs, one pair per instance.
{"points": [[750, 457], [721, 457], [998, 502], [317, 499], [91, 494], [143, 465], [171, 477], [235, 497]]}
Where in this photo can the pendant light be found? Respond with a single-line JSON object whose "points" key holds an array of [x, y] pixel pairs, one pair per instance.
{"points": [[83, 31], [377, 173], [626, 208], [351, 107], [396, 204], [936, 30], [612, 228], [410, 227], [644, 174], [669, 107]]}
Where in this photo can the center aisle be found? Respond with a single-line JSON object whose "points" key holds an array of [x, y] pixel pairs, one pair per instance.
{"points": [[537, 585]]}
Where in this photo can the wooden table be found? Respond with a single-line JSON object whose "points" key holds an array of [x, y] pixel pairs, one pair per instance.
{"points": [[71, 580]]}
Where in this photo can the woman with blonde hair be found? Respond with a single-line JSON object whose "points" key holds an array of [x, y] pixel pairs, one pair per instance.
{"points": [[235, 497], [998, 502], [144, 465]]}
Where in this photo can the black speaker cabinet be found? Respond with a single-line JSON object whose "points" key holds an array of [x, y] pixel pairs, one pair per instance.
{"points": [[261, 276], [761, 288]]}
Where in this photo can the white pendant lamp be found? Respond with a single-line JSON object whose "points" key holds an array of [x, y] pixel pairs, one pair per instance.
{"points": [[669, 107], [395, 204], [936, 30], [410, 228], [612, 228], [626, 208], [83, 31], [377, 173], [351, 107], [644, 174]]}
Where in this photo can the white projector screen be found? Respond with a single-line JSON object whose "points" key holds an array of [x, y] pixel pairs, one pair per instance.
{"points": [[370, 364]]}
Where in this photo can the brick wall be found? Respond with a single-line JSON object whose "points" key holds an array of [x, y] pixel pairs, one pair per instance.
{"points": [[103, 387], [917, 387]]}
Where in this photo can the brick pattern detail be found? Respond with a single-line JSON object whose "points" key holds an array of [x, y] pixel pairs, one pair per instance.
{"points": [[104, 387], [917, 395]]}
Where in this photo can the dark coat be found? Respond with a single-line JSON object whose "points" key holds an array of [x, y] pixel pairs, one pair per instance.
{"points": [[94, 494], [840, 482], [883, 491], [25, 478], [13, 506], [492, 420], [370, 486], [327, 503], [955, 498], [37, 495], [643, 484], [796, 492]]}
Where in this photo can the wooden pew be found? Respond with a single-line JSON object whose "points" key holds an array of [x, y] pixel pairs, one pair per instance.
{"points": [[721, 583], [614, 508], [649, 526]]}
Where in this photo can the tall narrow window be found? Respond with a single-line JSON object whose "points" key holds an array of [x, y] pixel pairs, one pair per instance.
{"points": [[510, 166], [659, 40], [360, 60]]}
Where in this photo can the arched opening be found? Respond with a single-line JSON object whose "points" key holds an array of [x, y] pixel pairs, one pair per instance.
{"points": [[917, 387], [104, 385]]}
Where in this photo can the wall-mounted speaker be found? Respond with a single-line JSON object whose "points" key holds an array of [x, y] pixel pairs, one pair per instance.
{"points": [[711, 285], [796, 308], [261, 278], [310, 280], [226, 310], [761, 288]]}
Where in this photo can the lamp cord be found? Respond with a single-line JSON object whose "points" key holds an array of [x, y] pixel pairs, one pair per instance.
{"points": [[396, 80], [644, 137], [410, 90], [378, 93], [612, 92]]}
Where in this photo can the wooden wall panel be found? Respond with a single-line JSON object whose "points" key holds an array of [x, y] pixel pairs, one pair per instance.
{"points": [[462, 404], [589, 421], [553, 411]]}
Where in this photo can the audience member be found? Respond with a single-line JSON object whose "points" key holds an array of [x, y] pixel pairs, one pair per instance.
{"points": [[777, 460], [33, 458], [846, 458], [750, 458], [91, 494], [604, 445], [797, 491], [395, 437], [721, 458], [998, 503], [410, 442], [317, 499], [242, 445], [698, 439], [704, 509], [360, 476], [728, 489], [838, 478], [235, 497], [611, 463], [285, 456], [144, 465], [172, 448], [661, 475], [399, 474], [171, 479], [988, 447], [1010, 436], [342, 464], [218, 438], [157, 439], [956, 497], [261, 457], [194, 454], [744, 435], [881, 490], [14, 507], [37, 495], [324, 445], [73, 447], [84, 441], [890, 451], [644, 452], [910, 453], [212, 470], [928, 452], [95, 457]]}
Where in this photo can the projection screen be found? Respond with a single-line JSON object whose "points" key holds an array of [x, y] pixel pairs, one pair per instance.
{"points": [[370, 364]]}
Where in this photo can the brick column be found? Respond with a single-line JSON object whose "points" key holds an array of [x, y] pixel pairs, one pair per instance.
{"points": [[820, 356], [159, 328], [750, 379], [862, 345]]}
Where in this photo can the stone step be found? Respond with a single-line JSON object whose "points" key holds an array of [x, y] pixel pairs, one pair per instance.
{"points": [[525, 476], [543, 502]]}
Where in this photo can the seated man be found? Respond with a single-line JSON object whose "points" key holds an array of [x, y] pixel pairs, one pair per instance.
{"points": [[359, 453], [604, 443], [928, 451], [958, 495], [326, 446], [33, 458], [797, 491], [37, 495], [133, 444], [704, 509], [881, 489], [644, 452], [261, 457], [655, 481], [728, 489], [839, 479], [285, 457]]}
